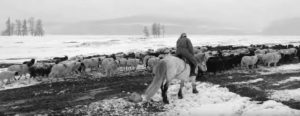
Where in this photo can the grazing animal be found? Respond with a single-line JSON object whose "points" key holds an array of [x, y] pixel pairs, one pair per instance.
{"points": [[22, 69], [110, 66], [269, 58], [249, 61], [7, 75], [60, 59], [40, 69], [123, 63], [29, 63], [59, 70], [92, 63], [145, 60], [77, 58], [259, 51], [74, 66], [170, 68], [152, 62], [132, 63]]}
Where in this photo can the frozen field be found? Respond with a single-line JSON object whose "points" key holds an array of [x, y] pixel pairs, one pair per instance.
{"points": [[17, 49]]}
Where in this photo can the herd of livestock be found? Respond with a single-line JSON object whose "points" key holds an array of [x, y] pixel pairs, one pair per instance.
{"points": [[221, 58]]}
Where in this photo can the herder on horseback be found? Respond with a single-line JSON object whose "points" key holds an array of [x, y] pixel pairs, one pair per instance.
{"points": [[185, 50]]}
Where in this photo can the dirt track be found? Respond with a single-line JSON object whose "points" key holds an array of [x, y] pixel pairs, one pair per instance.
{"points": [[46, 98]]}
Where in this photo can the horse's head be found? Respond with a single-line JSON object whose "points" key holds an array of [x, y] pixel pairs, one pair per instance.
{"points": [[201, 59]]}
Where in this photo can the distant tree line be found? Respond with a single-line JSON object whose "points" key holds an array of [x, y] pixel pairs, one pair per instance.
{"points": [[24, 27], [157, 29]]}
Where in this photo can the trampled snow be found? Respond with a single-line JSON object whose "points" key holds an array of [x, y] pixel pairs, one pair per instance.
{"points": [[250, 81], [291, 79], [17, 49], [20, 83], [211, 100], [289, 68], [286, 95]]}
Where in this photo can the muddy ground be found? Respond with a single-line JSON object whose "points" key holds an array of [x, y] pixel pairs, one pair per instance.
{"points": [[54, 98]]}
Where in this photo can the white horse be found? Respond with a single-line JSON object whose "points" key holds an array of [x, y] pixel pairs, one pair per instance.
{"points": [[170, 68]]}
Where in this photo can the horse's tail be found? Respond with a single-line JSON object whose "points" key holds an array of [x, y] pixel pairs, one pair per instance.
{"points": [[160, 75]]}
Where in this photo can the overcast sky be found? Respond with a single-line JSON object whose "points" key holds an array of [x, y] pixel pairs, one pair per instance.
{"points": [[254, 13]]}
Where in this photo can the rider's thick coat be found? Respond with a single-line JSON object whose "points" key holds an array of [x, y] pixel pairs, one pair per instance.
{"points": [[184, 49]]}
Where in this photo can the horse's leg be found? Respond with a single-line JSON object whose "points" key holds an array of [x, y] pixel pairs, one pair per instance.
{"points": [[180, 90], [162, 90], [164, 93], [8, 80], [194, 84]]}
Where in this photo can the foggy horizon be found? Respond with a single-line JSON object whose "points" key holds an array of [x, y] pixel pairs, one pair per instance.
{"points": [[245, 14]]}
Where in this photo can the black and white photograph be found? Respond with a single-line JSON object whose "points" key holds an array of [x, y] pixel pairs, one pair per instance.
{"points": [[149, 57]]}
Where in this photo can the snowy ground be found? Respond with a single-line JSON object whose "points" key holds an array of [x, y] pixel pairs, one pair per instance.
{"points": [[211, 100], [20, 83], [18, 49], [290, 68]]}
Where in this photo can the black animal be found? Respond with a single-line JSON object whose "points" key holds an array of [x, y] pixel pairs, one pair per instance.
{"points": [[40, 69], [214, 64], [60, 59], [129, 55], [29, 63]]}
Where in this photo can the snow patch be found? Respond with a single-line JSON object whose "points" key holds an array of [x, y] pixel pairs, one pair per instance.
{"points": [[52, 46], [290, 68], [287, 80], [250, 81], [211, 100], [19, 84], [285, 95]]}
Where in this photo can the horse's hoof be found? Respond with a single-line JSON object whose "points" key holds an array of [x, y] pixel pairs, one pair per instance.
{"points": [[195, 91]]}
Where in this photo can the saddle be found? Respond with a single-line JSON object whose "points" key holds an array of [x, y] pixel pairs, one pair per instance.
{"points": [[182, 58]]}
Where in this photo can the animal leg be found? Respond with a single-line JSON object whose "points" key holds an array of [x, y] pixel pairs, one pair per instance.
{"points": [[253, 66], [194, 84], [164, 93], [180, 90], [2, 81], [8, 80], [20, 76]]}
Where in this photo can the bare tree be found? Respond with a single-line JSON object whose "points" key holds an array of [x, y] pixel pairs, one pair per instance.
{"points": [[12, 28], [18, 27], [39, 31], [31, 24], [24, 28], [146, 31], [163, 30], [7, 31], [154, 29]]}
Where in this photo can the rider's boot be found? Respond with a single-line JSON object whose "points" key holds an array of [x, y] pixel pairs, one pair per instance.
{"points": [[193, 68]]}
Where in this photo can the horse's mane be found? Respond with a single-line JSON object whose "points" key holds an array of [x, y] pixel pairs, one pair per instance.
{"points": [[201, 57]]}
